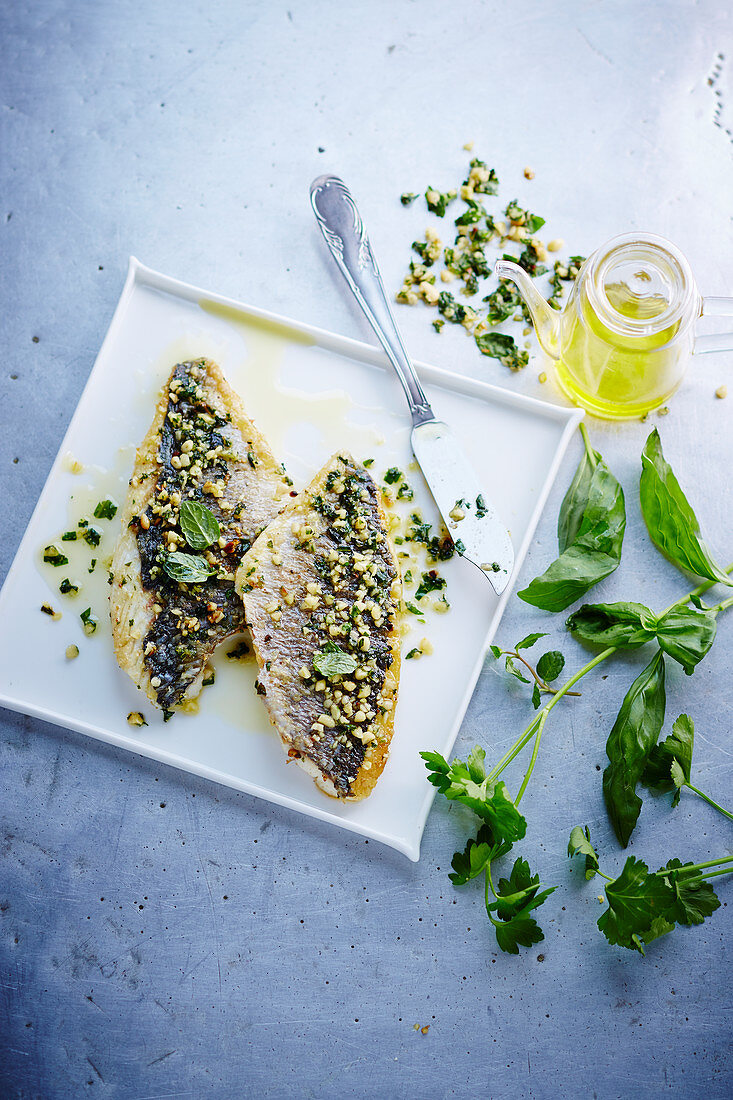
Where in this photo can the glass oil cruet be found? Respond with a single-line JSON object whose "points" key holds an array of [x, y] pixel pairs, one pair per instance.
{"points": [[624, 339]]}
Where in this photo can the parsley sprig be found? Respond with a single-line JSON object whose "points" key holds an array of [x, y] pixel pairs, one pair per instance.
{"points": [[644, 905], [510, 902]]}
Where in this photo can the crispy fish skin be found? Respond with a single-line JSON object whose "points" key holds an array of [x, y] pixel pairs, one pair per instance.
{"points": [[323, 577], [203, 447]]}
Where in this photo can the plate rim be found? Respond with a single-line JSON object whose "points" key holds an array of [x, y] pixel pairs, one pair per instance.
{"points": [[138, 274]]}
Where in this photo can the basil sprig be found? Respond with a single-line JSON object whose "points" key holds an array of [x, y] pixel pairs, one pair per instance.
{"points": [[684, 633], [187, 568], [199, 524], [671, 522], [590, 534]]}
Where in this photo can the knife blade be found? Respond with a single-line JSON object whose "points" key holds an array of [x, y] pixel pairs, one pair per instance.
{"points": [[474, 526], [477, 531]]}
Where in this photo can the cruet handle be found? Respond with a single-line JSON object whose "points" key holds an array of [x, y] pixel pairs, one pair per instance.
{"points": [[716, 341]]}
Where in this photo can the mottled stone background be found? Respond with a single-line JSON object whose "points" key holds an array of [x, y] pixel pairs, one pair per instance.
{"points": [[162, 936]]}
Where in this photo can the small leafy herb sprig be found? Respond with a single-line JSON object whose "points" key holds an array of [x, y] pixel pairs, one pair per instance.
{"points": [[548, 667], [683, 632], [510, 902]]}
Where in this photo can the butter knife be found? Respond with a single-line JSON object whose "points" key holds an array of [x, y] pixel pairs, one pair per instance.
{"points": [[476, 530]]}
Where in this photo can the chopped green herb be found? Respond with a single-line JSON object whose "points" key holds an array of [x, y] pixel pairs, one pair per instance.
{"points": [[69, 536], [430, 582], [106, 509], [92, 536], [66, 588], [405, 492], [392, 475], [238, 652], [501, 346], [412, 654], [89, 623], [54, 557], [438, 201]]}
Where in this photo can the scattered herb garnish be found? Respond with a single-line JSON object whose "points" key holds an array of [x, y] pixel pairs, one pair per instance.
{"points": [[92, 536], [89, 623], [54, 557], [106, 509], [501, 346]]}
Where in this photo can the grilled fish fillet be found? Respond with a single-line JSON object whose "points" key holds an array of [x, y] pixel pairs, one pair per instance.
{"points": [[201, 447], [321, 591]]}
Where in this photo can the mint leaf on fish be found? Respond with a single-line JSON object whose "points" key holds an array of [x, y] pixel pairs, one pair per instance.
{"points": [[332, 661], [199, 525], [187, 568]]}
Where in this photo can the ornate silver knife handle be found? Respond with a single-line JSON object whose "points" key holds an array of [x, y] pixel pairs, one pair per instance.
{"points": [[345, 235]]}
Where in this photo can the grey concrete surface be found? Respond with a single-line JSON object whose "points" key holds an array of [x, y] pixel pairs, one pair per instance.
{"points": [[161, 936]]}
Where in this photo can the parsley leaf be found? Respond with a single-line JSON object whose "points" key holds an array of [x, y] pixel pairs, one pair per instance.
{"points": [[467, 783], [580, 844], [676, 749], [638, 904]]}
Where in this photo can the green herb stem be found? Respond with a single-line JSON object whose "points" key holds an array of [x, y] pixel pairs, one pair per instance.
{"points": [[533, 672], [533, 759], [688, 868], [724, 871], [587, 444], [541, 716], [710, 801], [699, 591]]}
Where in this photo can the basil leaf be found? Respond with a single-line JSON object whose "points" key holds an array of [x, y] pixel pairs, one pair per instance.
{"points": [[675, 749], [332, 661], [623, 625], [575, 502], [186, 568], [550, 665], [630, 742], [596, 538], [687, 635], [673, 526], [199, 524]]}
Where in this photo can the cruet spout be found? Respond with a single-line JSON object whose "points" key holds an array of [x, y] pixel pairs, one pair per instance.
{"points": [[546, 320]]}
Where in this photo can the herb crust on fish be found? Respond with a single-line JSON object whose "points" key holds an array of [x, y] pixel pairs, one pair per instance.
{"points": [[322, 591], [204, 485]]}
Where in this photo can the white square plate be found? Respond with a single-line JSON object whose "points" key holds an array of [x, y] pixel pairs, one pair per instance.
{"points": [[312, 393]]}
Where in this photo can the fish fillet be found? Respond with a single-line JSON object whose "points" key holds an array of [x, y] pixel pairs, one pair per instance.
{"points": [[321, 591], [201, 447]]}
